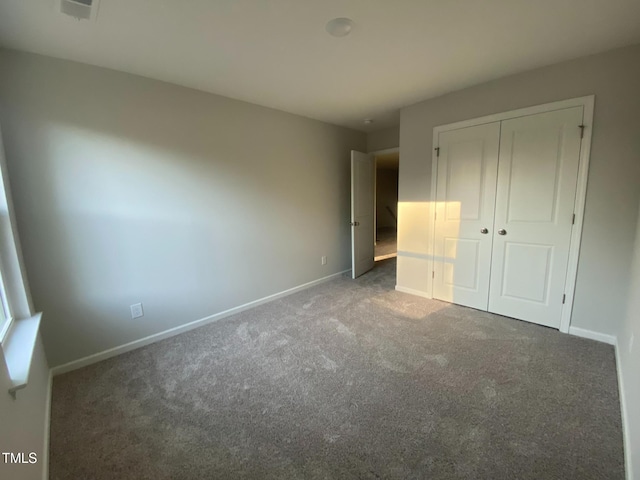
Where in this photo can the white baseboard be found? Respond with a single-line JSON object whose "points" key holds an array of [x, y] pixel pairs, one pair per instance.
{"points": [[172, 332], [590, 334], [47, 428], [412, 291], [626, 439], [613, 340]]}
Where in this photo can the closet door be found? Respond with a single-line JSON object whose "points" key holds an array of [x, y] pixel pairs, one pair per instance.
{"points": [[537, 177], [465, 194]]}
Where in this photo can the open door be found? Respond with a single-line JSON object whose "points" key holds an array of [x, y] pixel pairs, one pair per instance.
{"points": [[362, 213]]}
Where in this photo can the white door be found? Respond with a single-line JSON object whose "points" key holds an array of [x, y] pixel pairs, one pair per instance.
{"points": [[537, 177], [362, 213], [465, 201]]}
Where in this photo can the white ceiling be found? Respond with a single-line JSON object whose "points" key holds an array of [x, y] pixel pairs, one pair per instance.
{"points": [[276, 52]]}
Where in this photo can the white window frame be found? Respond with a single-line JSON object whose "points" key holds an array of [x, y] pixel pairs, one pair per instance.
{"points": [[6, 318], [20, 326]]}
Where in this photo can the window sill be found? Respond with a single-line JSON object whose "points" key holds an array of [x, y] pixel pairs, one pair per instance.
{"points": [[18, 347]]}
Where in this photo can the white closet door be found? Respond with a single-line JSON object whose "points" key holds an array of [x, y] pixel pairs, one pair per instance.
{"points": [[537, 176], [465, 193]]}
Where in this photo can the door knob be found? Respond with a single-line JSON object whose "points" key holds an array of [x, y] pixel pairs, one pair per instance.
{"points": [[484, 230], [502, 231], [355, 224]]}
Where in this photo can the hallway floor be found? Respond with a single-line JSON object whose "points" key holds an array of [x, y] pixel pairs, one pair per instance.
{"points": [[387, 243]]}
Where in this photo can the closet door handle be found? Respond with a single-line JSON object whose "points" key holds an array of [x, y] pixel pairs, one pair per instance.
{"points": [[484, 230], [502, 231]]}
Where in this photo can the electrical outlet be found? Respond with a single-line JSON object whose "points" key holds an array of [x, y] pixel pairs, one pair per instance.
{"points": [[323, 260], [137, 311], [631, 343]]}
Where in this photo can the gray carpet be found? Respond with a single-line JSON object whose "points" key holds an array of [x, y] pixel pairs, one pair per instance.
{"points": [[347, 380], [386, 241]]}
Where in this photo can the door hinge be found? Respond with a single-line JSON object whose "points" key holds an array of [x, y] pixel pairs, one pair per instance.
{"points": [[573, 222], [437, 149], [564, 297], [581, 127], [433, 274]]}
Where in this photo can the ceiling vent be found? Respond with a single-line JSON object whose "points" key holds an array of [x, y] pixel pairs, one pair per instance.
{"points": [[79, 9]]}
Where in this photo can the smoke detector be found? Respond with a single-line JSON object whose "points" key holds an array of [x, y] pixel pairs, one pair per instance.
{"points": [[79, 9]]}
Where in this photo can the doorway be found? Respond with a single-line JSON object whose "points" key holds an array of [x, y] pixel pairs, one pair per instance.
{"points": [[386, 205], [374, 208]]}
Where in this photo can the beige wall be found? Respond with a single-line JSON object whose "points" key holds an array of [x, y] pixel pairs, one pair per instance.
{"points": [[383, 139], [23, 421], [614, 177], [131, 190], [629, 364]]}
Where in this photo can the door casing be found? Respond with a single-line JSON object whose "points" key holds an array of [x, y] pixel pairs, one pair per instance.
{"points": [[587, 103]]}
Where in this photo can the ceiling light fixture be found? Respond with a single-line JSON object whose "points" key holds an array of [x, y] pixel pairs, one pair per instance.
{"points": [[339, 27], [368, 121]]}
